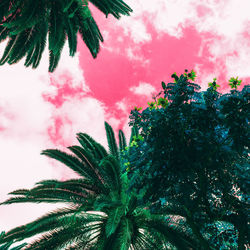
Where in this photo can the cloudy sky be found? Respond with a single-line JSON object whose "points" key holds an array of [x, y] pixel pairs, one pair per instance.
{"points": [[40, 110]]}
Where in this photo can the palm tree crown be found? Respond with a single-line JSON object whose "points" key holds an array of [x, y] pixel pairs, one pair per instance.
{"points": [[101, 213], [27, 22]]}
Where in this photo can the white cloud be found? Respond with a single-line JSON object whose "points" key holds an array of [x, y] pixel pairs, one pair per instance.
{"points": [[25, 117], [223, 26], [143, 89], [166, 16], [137, 30], [81, 115], [226, 18], [134, 54], [172, 16]]}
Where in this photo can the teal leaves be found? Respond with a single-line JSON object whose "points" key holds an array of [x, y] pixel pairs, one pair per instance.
{"points": [[162, 102], [191, 75]]}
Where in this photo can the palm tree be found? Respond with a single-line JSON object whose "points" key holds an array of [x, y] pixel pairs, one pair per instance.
{"points": [[100, 213], [27, 23]]}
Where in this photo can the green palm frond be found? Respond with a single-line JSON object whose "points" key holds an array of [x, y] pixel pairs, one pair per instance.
{"points": [[19, 247], [60, 228], [122, 141], [115, 7], [49, 221], [101, 213], [71, 230], [59, 19], [96, 149], [87, 158], [178, 238], [7, 246], [78, 185], [110, 168], [113, 149], [84, 169]]}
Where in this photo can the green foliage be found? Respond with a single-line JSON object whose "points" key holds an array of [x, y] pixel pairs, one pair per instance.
{"points": [[101, 212], [193, 160], [213, 84], [27, 23], [234, 82], [7, 246], [181, 183]]}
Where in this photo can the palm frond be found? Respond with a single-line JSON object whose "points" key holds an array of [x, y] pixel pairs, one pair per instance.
{"points": [[70, 161], [110, 168], [74, 184], [103, 213], [96, 149], [113, 149], [114, 220], [63, 18], [19, 247], [113, 7], [10, 44], [122, 141], [177, 236], [3, 33], [81, 227], [90, 34], [71, 29], [47, 222]]}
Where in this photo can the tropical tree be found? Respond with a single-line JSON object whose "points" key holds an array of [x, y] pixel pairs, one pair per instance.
{"points": [[191, 157], [26, 23], [100, 212]]}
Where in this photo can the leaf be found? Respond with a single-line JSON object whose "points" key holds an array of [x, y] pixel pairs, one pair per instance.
{"points": [[163, 85], [114, 218], [113, 149], [122, 141]]}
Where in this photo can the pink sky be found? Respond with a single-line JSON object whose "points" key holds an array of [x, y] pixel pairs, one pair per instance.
{"points": [[40, 110]]}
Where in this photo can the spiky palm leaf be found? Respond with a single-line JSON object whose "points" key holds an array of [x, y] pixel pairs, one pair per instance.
{"points": [[28, 22], [101, 213], [6, 246]]}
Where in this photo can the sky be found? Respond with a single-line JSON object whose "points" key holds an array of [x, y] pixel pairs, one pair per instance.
{"points": [[41, 110]]}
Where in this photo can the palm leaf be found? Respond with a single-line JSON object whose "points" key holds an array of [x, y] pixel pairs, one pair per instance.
{"points": [[110, 168], [114, 7], [75, 230], [74, 184], [63, 18], [122, 141], [96, 149], [71, 28], [70, 161], [90, 34], [114, 219], [113, 149], [8, 48], [120, 223], [3, 33]]}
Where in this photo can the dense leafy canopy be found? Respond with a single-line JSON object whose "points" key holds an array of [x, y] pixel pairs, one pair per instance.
{"points": [[191, 158], [27, 22]]}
